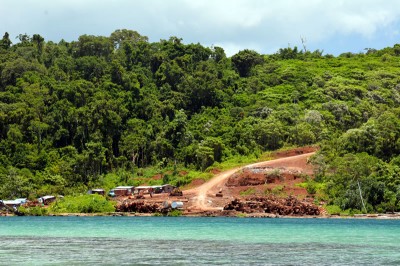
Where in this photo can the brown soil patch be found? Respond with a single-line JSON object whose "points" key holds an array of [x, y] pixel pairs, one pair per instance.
{"points": [[267, 181], [157, 177], [215, 171], [197, 182], [262, 176], [246, 178], [194, 183]]}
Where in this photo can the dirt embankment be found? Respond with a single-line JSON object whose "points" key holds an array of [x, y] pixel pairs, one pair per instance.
{"points": [[267, 187], [278, 176]]}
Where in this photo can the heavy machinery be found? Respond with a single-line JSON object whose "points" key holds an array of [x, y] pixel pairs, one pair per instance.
{"points": [[176, 192]]}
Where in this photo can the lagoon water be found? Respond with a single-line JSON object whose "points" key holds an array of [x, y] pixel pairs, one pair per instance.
{"points": [[197, 241]]}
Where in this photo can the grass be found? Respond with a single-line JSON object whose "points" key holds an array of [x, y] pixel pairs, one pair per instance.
{"points": [[233, 162], [33, 211], [336, 210], [82, 204], [276, 191], [199, 175], [247, 192], [266, 156]]}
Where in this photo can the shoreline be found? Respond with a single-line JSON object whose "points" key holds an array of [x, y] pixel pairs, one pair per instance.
{"points": [[382, 216]]}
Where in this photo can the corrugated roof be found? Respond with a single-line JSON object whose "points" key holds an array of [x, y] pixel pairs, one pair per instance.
{"points": [[22, 200], [11, 202], [143, 187], [47, 197]]}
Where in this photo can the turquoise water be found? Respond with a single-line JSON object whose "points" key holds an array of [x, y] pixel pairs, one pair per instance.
{"points": [[197, 241]]}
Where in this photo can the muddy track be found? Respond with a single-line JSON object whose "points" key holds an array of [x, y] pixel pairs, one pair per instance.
{"points": [[202, 194]]}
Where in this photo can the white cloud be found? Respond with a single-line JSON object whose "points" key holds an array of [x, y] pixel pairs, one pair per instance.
{"points": [[238, 24]]}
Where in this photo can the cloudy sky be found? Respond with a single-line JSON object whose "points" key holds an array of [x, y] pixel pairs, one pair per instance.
{"points": [[334, 26]]}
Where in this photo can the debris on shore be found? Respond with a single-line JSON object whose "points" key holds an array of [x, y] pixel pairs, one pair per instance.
{"points": [[138, 206]]}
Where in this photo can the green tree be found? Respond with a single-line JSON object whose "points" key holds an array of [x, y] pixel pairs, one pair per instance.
{"points": [[15, 183], [269, 133], [118, 37], [38, 42], [89, 45], [133, 143], [245, 60], [5, 42]]}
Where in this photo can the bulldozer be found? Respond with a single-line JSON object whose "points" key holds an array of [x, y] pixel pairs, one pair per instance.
{"points": [[176, 192]]}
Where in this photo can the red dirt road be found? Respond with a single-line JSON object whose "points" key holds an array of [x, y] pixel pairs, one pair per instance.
{"points": [[203, 195]]}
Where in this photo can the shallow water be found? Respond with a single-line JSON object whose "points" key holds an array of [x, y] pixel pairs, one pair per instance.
{"points": [[197, 241]]}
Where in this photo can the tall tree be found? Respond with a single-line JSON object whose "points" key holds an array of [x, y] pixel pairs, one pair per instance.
{"points": [[38, 42], [245, 60], [5, 42]]}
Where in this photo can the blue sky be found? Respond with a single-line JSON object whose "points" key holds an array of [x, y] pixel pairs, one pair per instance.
{"points": [[334, 26]]}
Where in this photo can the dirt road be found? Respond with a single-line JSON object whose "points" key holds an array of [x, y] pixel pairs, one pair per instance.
{"points": [[201, 195]]}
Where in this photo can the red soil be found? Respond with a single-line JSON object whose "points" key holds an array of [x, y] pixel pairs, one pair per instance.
{"points": [[279, 177]]}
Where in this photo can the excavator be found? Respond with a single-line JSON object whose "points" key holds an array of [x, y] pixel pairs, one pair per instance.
{"points": [[176, 192]]}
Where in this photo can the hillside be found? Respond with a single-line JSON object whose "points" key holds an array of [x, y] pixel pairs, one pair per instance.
{"points": [[279, 176], [103, 110], [272, 182]]}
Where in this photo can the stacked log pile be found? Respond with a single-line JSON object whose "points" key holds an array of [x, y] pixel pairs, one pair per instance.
{"points": [[138, 206], [272, 204]]}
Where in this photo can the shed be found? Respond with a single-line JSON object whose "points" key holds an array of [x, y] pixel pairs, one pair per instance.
{"points": [[11, 203], [99, 191], [47, 199], [22, 200], [124, 190], [142, 189], [167, 188], [157, 189]]}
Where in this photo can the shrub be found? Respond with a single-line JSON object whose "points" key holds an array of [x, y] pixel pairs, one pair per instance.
{"points": [[175, 213], [33, 211], [333, 209], [82, 204], [311, 188], [278, 190]]}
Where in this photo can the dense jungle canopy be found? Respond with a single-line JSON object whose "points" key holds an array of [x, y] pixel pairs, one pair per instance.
{"points": [[72, 114]]}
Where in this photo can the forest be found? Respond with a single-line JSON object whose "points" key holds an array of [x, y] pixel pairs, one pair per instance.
{"points": [[107, 110]]}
